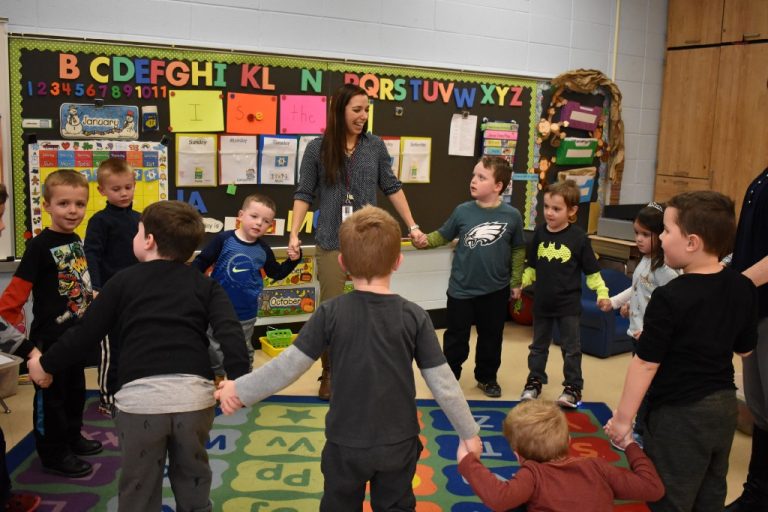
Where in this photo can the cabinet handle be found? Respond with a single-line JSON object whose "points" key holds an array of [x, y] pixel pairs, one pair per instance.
{"points": [[751, 36], [692, 41]]}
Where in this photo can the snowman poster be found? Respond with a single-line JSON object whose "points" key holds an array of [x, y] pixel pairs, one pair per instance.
{"points": [[82, 120]]}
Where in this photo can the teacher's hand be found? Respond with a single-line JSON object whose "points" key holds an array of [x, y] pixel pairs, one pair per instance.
{"points": [[294, 247]]}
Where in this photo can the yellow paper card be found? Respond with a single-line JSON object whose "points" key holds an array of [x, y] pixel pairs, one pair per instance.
{"points": [[196, 111]]}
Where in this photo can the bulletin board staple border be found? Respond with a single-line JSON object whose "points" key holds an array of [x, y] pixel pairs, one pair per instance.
{"points": [[18, 42]]}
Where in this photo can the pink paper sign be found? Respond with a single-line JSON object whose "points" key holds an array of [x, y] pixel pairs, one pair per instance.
{"points": [[302, 114]]}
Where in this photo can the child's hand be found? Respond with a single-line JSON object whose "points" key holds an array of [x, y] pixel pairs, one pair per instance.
{"points": [[95, 293], [605, 304], [294, 247], [37, 374], [626, 441], [624, 311], [617, 430], [515, 293], [227, 396], [418, 239], [461, 451], [474, 445], [637, 334]]}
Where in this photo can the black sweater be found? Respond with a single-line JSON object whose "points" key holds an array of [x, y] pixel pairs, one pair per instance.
{"points": [[109, 243], [160, 311]]}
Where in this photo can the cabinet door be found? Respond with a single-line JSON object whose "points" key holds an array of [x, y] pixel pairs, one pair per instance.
{"points": [[685, 130], [745, 20], [668, 186], [739, 148], [694, 22]]}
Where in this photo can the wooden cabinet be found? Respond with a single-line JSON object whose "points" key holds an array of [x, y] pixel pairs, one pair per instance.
{"points": [[685, 132], [694, 22], [740, 134], [713, 131], [745, 20]]}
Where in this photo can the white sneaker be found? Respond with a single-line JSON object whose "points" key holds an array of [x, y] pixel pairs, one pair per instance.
{"points": [[531, 391]]}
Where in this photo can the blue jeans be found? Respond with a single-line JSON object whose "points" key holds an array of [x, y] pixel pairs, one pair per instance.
{"points": [[570, 341]]}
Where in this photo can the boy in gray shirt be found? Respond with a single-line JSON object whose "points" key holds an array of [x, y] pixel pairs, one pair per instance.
{"points": [[374, 336]]}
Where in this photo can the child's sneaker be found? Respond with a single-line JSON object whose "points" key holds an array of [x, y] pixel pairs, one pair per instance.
{"points": [[491, 389], [532, 390], [570, 397]]}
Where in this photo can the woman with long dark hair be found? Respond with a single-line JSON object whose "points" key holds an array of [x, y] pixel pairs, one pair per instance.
{"points": [[344, 169]]}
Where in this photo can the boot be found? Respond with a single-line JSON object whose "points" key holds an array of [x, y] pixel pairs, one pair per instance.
{"points": [[324, 393], [754, 498]]}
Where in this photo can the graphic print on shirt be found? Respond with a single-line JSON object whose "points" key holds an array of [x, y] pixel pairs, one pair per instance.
{"points": [[240, 269], [553, 251], [74, 279], [484, 234]]}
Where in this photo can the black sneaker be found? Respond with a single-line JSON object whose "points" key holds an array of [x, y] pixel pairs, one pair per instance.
{"points": [[71, 466], [491, 389], [85, 446], [532, 390], [570, 397]]}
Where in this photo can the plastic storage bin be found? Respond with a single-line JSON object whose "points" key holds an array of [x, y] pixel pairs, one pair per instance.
{"points": [[270, 349], [9, 374]]}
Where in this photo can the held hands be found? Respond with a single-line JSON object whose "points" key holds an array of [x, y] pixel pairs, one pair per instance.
{"points": [[472, 445], [605, 305], [294, 247], [418, 238], [618, 430], [515, 293], [624, 311], [227, 396], [36, 372]]}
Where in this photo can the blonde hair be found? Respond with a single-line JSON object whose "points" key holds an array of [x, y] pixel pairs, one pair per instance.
{"points": [[537, 430], [369, 241], [112, 167], [62, 177]]}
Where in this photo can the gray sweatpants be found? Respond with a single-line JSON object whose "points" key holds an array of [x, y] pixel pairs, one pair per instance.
{"points": [[145, 441]]}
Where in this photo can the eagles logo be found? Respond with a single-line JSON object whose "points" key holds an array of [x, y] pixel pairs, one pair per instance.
{"points": [[549, 251], [486, 233]]}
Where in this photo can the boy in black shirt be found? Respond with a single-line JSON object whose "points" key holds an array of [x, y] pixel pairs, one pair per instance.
{"points": [[692, 327], [160, 310], [109, 249], [54, 272], [372, 429]]}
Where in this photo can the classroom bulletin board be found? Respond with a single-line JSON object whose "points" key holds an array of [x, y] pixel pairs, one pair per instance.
{"points": [[211, 127]]}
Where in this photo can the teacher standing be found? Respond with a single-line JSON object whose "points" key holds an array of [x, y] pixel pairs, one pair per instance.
{"points": [[343, 168]]}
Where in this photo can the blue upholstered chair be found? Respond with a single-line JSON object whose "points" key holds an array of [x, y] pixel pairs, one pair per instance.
{"points": [[603, 334]]}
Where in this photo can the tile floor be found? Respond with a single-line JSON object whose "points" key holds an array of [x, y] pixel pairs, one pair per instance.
{"points": [[603, 378]]}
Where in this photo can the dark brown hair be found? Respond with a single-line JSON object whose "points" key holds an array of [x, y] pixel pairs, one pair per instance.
{"points": [[62, 177], [369, 241], [335, 138], [502, 172], [651, 217], [569, 191], [176, 226], [709, 215]]}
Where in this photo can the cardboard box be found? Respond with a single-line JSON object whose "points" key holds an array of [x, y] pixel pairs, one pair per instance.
{"points": [[9, 374]]}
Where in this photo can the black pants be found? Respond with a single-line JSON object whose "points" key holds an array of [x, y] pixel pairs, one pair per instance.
{"points": [[389, 468], [5, 479], [57, 414], [488, 313]]}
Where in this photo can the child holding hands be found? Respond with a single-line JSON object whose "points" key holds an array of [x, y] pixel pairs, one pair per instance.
{"points": [[557, 255], [374, 336], [549, 478], [683, 365]]}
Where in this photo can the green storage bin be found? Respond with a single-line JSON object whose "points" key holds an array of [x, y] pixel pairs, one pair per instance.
{"points": [[574, 150]]}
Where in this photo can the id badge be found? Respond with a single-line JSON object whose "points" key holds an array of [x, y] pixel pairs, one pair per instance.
{"points": [[346, 211]]}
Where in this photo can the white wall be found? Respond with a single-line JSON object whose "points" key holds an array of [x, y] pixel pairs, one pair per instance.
{"points": [[540, 38]]}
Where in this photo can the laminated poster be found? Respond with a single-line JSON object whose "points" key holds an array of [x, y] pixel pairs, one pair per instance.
{"points": [[196, 157], [287, 301], [304, 273], [238, 160], [393, 148], [148, 159], [277, 160], [416, 153]]}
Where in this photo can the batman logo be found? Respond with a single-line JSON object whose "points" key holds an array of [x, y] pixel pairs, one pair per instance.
{"points": [[549, 251], [484, 234]]}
